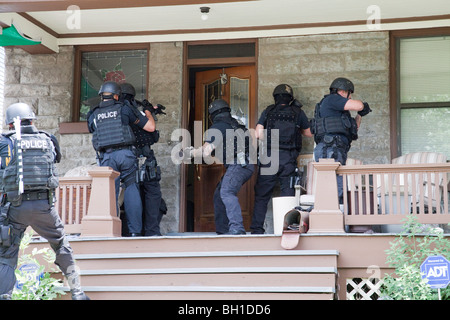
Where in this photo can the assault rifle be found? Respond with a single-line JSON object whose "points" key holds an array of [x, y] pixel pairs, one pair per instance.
{"points": [[159, 109]]}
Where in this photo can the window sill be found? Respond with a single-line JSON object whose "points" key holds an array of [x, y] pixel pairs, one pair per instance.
{"points": [[73, 127]]}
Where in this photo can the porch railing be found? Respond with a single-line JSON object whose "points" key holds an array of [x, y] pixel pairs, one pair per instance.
{"points": [[380, 194], [383, 194], [377, 195], [87, 205], [72, 201]]}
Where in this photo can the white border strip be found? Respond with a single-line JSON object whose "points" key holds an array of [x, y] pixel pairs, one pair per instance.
{"points": [[251, 34], [205, 254]]}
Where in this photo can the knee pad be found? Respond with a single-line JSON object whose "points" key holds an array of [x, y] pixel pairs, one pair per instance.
{"points": [[64, 255]]}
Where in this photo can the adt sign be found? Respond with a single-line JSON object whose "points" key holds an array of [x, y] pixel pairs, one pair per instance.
{"points": [[436, 270]]}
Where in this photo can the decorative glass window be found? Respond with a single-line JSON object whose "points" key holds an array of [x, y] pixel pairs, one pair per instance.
{"points": [[424, 95], [120, 66], [212, 91], [239, 99]]}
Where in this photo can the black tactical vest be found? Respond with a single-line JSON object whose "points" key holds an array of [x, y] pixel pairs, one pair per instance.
{"points": [[285, 119], [344, 125], [239, 139], [109, 130], [38, 160]]}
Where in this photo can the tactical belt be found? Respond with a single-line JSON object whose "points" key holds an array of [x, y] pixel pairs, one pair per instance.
{"points": [[36, 195], [30, 196], [107, 150]]}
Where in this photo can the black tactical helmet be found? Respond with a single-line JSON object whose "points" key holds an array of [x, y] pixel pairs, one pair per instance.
{"points": [[109, 86], [283, 89], [217, 105], [21, 110], [127, 88], [342, 84]]}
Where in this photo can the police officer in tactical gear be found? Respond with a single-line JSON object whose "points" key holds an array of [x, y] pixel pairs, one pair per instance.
{"points": [[149, 172], [333, 126], [286, 116], [110, 124], [27, 197], [228, 138]]}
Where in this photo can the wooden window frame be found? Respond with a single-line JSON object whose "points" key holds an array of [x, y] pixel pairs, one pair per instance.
{"points": [[81, 126], [394, 76]]}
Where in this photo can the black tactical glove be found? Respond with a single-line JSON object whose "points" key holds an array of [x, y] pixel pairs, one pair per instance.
{"points": [[153, 110], [186, 153], [147, 105], [366, 110]]}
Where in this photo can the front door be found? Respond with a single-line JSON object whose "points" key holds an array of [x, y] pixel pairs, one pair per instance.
{"points": [[236, 85]]}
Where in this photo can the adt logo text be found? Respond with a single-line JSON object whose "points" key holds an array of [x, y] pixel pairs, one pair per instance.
{"points": [[436, 270]]}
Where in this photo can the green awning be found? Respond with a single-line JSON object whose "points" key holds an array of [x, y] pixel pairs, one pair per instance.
{"points": [[12, 37]]}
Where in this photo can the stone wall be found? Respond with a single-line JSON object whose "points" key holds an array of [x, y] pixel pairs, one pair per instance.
{"points": [[310, 63], [44, 81], [165, 83]]}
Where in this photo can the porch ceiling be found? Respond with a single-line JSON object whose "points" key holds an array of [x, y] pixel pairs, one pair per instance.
{"points": [[111, 21]]}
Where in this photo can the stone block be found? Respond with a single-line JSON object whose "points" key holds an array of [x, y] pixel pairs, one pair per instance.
{"points": [[322, 63], [12, 74], [53, 105], [47, 75], [367, 61], [26, 90]]}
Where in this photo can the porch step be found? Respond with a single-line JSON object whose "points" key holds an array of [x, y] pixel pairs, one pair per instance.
{"points": [[267, 258], [207, 293], [259, 274]]}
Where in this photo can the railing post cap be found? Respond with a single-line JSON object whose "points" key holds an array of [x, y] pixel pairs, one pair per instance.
{"points": [[103, 172], [326, 164]]}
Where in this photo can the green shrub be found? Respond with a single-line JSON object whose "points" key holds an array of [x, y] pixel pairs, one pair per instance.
{"points": [[36, 284], [407, 252]]}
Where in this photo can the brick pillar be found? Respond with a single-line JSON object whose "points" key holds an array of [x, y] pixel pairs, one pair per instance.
{"points": [[326, 216], [101, 219]]}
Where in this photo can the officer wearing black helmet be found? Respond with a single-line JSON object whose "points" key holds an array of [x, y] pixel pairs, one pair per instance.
{"points": [[114, 141], [286, 116], [149, 172], [229, 141], [27, 197], [333, 126]]}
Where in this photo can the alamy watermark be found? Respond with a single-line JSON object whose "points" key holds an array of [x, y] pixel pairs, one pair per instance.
{"points": [[373, 21], [73, 21]]}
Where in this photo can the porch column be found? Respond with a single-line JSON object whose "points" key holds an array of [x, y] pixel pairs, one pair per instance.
{"points": [[326, 216], [101, 219]]}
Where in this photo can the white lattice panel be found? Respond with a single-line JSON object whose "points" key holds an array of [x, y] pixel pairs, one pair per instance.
{"points": [[363, 289]]}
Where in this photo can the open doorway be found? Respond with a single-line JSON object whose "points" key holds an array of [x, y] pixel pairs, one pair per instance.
{"points": [[237, 86]]}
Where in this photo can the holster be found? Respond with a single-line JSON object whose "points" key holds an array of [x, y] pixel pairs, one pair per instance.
{"points": [[5, 236], [5, 228], [151, 171], [336, 142]]}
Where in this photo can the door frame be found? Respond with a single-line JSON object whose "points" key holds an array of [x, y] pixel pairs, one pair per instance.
{"points": [[205, 62]]}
